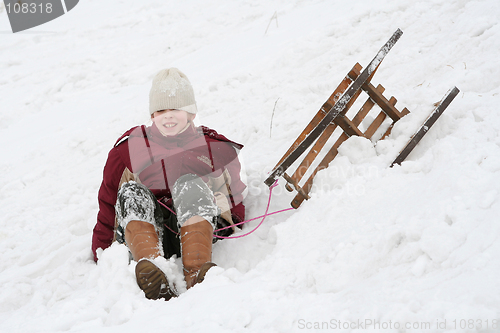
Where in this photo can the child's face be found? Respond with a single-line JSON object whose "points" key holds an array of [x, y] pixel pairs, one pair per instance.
{"points": [[171, 122]]}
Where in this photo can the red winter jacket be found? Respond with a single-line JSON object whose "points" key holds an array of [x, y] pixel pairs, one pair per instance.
{"points": [[158, 161]]}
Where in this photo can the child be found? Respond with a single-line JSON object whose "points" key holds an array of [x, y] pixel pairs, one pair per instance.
{"points": [[167, 187]]}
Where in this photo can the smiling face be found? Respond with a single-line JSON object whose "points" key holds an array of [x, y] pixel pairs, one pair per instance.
{"points": [[171, 122]]}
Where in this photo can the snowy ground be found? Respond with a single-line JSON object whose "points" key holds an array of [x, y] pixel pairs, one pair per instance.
{"points": [[375, 249]]}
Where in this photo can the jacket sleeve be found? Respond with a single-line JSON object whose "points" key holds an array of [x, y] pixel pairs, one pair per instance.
{"points": [[237, 187], [104, 229]]}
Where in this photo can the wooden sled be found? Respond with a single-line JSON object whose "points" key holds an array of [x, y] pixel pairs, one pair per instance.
{"points": [[333, 115]]}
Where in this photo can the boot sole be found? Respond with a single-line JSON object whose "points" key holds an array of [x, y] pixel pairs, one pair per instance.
{"points": [[203, 270], [152, 281]]}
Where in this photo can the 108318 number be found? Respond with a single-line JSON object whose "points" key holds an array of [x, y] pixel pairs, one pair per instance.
{"points": [[476, 324], [28, 8]]}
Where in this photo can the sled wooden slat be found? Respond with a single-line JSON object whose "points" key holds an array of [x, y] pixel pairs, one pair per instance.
{"points": [[375, 125], [311, 156], [347, 125], [358, 118], [381, 101], [296, 186], [377, 122]]}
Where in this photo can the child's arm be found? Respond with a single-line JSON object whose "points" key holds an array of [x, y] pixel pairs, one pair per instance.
{"points": [[104, 230]]}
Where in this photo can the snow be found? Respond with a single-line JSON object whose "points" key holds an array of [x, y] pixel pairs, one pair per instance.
{"points": [[374, 249]]}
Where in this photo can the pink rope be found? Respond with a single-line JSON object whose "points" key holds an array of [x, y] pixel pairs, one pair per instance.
{"points": [[266, 214]]}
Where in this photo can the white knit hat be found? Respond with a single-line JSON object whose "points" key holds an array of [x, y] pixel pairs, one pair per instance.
{"points": [[171, 89]]}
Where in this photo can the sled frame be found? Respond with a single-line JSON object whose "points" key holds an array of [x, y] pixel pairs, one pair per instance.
{"points": [[333, 115]]}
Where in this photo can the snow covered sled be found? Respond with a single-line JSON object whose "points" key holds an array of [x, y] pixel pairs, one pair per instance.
{"points": [[333, 115]]}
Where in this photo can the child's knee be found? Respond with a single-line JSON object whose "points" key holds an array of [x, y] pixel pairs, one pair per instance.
{"points": [[135, 202], [193, 201]]}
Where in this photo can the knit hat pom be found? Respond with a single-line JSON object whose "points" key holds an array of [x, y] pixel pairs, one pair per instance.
{"points": [[171, 90]]}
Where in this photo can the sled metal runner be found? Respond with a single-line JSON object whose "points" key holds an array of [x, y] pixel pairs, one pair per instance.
{"points": [[333, 115], [415, 139]]}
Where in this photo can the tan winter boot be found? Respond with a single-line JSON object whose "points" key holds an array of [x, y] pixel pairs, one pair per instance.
{"points": [[143, 242], [196, 240]]}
